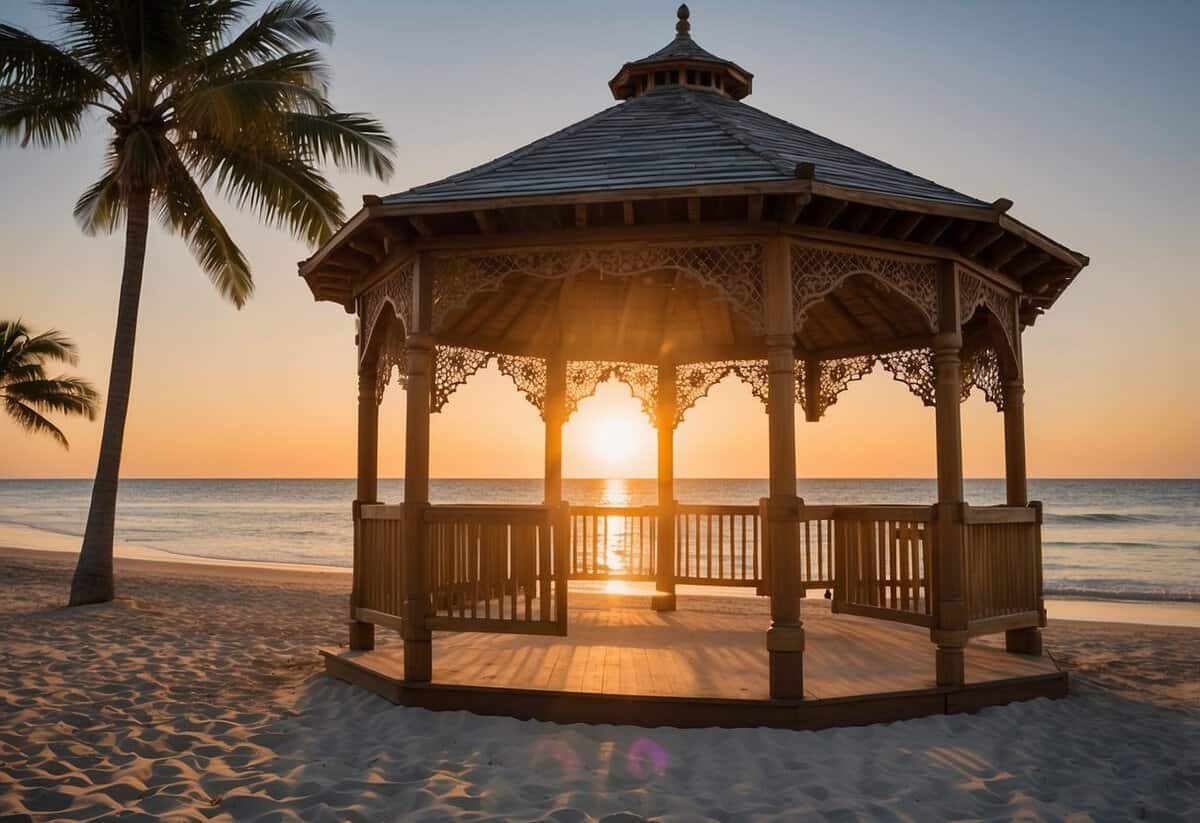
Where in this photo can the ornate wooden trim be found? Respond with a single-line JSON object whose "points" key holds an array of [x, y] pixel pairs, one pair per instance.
{"points": [[974, 291], [528, 375], [585, 376], [835, 376], [733, 269], [980, 368], [393, 353], [694, 380], [454, 365], [817, 271], [397, 290]]}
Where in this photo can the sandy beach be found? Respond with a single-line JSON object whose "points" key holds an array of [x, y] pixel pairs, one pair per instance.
{"points": [[199, 695]]}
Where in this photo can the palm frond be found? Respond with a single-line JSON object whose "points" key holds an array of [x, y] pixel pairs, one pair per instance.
{"points": [[228, 104], [134, 38], [352, 141], [27, 61], [31, 421], [20, 372], [281, 28], [101, 207], [41, 120], [13, 334], [282, 190], [183, 208], [51, 345], [208, 21], [62, 395]]}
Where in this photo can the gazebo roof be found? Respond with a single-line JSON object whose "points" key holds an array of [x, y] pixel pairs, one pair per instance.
{"points": [[682, 152], [682, 124], [676, 135]]}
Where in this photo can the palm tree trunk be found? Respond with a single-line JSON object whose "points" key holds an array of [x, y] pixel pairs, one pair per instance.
{"points": [[93, 582]]}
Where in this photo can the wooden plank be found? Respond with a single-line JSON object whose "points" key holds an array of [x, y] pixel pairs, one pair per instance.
{"points": [[698, 668]]}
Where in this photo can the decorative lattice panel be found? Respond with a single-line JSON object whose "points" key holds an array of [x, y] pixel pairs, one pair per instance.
{"points": [[913, 368], [836, 376], [585, 376], [395, 290], [528, 375], [452, 367], [981, 369], [974, 291], [393, 354], [818, 271], [694, 380], [734, 271]]}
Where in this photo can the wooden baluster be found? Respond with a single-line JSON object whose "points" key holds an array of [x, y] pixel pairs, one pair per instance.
{"points": [[720, 546]]}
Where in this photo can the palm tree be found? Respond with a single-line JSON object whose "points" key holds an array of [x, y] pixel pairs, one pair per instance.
{"points": [[193, 98], [27, 393]]}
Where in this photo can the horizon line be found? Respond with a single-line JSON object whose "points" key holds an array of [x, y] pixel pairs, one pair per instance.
{"points": [[648, 478]]}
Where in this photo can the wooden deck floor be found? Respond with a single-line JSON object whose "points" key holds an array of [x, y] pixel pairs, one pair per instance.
{"points": [[703, 656]]}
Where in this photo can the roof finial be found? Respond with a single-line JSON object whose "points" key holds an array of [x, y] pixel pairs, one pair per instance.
{"points": [[683, 28]]}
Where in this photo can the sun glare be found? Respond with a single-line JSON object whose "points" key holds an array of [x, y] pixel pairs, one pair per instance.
{"points": [[613, 441]]}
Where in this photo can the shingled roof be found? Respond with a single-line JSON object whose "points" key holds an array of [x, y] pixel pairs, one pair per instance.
{"points": [[675, 136], [683, 126], [683, 148]]}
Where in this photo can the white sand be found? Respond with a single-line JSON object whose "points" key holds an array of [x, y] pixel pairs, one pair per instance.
{"points": [[200, 697]]}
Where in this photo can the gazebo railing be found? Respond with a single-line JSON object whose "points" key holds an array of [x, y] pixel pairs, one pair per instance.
{"points": [[378, 595], [1003, 553], [505, 568], [718, 545], [884, 556], [613, 541], [496, 569]]}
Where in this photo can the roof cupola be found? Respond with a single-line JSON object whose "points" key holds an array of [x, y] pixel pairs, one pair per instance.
{"points": [[682, 62]]}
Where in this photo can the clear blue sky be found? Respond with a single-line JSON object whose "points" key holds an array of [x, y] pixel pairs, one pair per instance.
{"points": [[1085, 114]]}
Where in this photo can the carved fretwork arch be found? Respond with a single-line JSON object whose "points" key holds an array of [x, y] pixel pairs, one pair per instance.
{"points": [[392, 354], [732, 270], [974, 292], [454, 365], [818, 271], [694, 380], [585, 376], [980, 368], [396, 291], [834, 377]]}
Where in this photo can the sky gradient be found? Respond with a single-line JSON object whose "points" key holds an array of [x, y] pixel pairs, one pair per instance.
{"points": [[1084, 114]]}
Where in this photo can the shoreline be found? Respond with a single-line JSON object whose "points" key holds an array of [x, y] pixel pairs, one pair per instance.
{"points": [[21, 539]]}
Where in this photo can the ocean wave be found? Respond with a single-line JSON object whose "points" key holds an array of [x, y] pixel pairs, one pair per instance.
{"points": [[1084, 592], [1102, 517], [1117, 545]]}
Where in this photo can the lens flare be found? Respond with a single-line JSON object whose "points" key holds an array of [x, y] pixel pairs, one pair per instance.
{"points": [[647, 758]]}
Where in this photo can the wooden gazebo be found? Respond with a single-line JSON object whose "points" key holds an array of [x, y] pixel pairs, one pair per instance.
{"points": [[674, 239]]}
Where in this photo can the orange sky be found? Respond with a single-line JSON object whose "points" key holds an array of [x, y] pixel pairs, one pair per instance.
{"points": [[270, 390]]}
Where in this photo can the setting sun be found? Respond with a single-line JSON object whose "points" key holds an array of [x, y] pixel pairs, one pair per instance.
{"points": [[611, 441]]}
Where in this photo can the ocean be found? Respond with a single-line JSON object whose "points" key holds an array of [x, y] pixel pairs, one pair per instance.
{"points": [[1103, 539]]}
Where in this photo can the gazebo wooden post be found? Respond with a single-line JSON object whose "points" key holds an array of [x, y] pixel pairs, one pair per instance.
{"points": [[950, 609], [1016, 484], [418, 640], [664, 598], [1027, 640], [555, 412], [362, 635], [785, 637]]}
